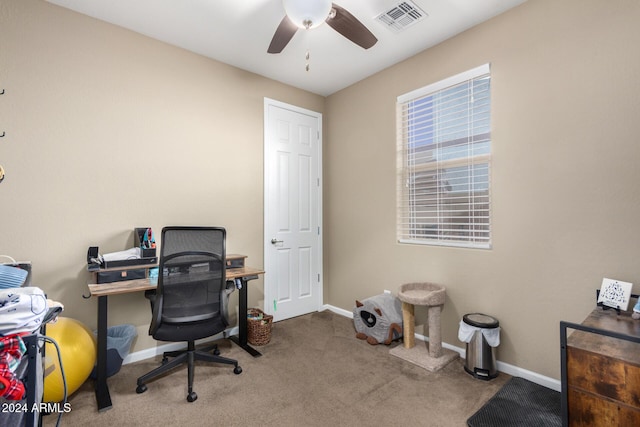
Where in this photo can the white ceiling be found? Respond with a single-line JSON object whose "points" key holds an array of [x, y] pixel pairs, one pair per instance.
{"points": [[238, 32]]}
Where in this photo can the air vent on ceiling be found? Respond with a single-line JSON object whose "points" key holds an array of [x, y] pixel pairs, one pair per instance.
{"points": [[401, 16]]}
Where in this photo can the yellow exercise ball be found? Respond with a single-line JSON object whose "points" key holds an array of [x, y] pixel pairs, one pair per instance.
{"points": [[78, 352]]}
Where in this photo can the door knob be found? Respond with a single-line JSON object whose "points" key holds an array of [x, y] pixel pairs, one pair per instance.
{"points": [[276, 241]]}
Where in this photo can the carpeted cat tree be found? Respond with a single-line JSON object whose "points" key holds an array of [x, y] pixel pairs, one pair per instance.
{"points": [[433, 297]]}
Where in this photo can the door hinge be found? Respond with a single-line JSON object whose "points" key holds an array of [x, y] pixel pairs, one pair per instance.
{"points": [[318, 277], [318, 231]]}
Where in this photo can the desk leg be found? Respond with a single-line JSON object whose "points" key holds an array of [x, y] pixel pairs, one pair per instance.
{"points": [[103, 397], [241, 339]]}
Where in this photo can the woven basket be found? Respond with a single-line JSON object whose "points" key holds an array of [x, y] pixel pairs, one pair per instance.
{"points": [[258, 330]]}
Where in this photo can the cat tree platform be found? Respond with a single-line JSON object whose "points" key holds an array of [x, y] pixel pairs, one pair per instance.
{"points": [[430, 356]]}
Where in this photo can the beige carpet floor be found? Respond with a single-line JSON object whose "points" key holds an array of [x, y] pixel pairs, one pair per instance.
{"points": [[314, 372]]}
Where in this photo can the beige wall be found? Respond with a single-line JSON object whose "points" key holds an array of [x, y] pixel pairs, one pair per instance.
{"points": [[107, 130], [566, 199]]}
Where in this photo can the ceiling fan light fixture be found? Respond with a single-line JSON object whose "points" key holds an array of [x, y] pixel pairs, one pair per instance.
{"points": [[307, 13]]}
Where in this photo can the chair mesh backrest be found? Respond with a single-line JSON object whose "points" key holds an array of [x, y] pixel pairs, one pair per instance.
{"points": [[192, 273]]}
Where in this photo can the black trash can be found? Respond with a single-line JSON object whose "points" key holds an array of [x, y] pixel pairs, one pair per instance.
{"points": [[480, 358]]}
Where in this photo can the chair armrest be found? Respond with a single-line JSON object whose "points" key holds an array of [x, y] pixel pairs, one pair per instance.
{"points": [[156, 313], [229, 288]]}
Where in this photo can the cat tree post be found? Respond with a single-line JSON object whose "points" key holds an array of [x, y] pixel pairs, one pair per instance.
{"points": [[435, 337], [408, 321]]}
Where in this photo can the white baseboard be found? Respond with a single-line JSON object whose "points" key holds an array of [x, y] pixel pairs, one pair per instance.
{"points": [[500, 366]]}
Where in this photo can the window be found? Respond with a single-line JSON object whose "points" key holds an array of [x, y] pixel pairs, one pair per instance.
{"points": [[444, 157]]}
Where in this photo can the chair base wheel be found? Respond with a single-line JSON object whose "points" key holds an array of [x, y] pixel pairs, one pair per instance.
{"points": [[191, 397], [141, 388], [237, 370]]}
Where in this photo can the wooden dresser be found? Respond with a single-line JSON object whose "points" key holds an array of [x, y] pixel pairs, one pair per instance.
{"points": [[601, 370]]}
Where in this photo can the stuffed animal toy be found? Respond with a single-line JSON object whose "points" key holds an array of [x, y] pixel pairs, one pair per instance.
{"points": [[378, 319]]}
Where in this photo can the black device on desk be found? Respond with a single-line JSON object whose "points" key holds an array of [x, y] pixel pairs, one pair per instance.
{"points": [[117, 271], [95, 262], [93, 258]]}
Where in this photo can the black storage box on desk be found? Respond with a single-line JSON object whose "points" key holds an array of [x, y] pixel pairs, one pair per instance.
{"points": [[138, 236]]}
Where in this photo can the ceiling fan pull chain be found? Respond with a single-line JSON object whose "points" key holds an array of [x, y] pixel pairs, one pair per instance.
{"points": [[307, 56]]}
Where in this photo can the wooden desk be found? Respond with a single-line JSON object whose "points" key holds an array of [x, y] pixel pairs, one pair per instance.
{"points": [[239, 275], [137, 285], [601, 370]]}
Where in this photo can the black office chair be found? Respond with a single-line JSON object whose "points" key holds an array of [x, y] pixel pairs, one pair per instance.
{"points": [[190, 302]]}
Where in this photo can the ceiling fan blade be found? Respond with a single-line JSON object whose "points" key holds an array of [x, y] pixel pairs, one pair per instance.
{"points": [[284, 33], [349, 26]]}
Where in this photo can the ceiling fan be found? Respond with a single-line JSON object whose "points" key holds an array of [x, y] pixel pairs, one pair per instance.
{"points": [[309, 14]]}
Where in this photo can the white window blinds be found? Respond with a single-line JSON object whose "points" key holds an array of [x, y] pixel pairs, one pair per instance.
{"points": [[444, 156]]}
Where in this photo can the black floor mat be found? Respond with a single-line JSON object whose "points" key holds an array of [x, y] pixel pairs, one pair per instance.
{"points": [[519, 403]]}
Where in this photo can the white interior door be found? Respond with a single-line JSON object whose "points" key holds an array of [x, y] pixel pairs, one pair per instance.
{"points": [[293, 210]]}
